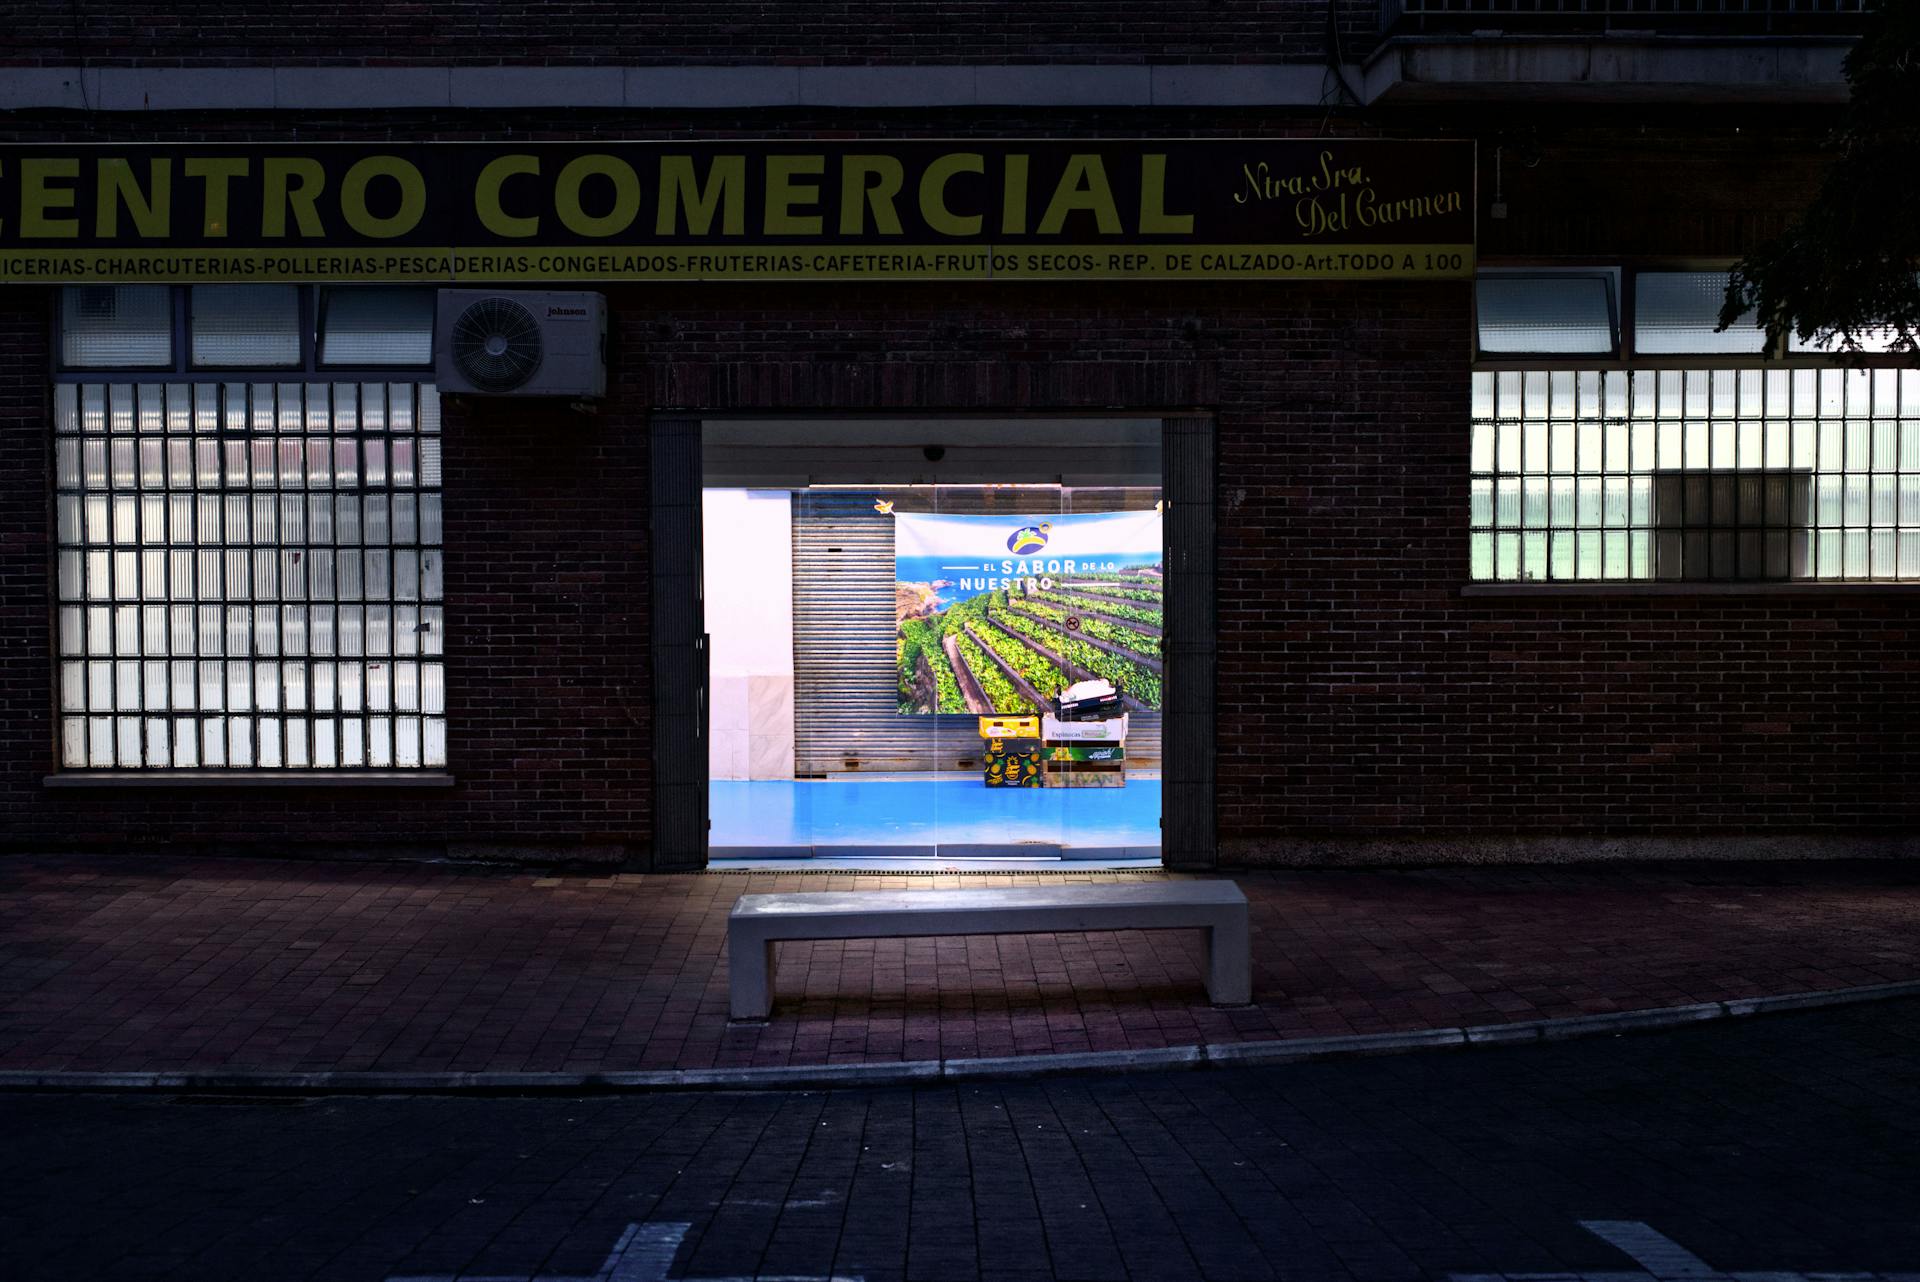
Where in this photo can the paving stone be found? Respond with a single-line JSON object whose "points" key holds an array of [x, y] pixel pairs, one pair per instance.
{"points": [[142, 963]]}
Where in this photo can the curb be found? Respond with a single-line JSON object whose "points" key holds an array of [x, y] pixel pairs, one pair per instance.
{"points": [[920, 1072]]}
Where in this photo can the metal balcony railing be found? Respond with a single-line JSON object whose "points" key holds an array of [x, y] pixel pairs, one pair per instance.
{"points": [[1716, 16]]}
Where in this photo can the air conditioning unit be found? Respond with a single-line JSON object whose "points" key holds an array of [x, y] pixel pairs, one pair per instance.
{"points": [[489, 342]]}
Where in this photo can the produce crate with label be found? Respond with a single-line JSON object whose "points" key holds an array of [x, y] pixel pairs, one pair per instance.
{"points": [[1013, 763], [1012, 756], [1084, 738]]}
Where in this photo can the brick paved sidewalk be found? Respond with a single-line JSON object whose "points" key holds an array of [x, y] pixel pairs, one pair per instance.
{"points": [[141, 964]]}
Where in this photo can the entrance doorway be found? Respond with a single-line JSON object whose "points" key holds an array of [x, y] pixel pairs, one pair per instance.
{"points": [[894, 611]]}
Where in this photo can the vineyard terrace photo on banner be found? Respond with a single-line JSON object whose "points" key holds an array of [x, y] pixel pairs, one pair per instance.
{"points": [[998, 614]]}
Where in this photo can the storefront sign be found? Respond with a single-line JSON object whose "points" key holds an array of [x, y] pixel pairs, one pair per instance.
{"points": [[995, 610], [598, 211]]}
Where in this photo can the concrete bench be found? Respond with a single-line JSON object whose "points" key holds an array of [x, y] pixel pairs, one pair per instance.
{"points": [[759, 921]]}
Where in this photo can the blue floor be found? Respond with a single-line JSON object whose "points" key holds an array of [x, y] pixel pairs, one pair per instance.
{"points": [[923, 816]]}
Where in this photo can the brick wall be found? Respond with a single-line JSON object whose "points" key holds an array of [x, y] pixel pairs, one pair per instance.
{"points": [[26, 536], [1712, 184], [547, 562], [1368, 709], [354, 32]]}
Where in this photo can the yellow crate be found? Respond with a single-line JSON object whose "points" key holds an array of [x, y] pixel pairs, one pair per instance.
{"points": [[1009, 727]]}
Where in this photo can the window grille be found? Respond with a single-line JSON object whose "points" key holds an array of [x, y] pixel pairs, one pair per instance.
{"points": [[1768, 474], [249, 575], [1747, 523]]}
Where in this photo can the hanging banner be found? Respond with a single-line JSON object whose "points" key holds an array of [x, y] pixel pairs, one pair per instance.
{"points": [[997, 614], [871, 209]]}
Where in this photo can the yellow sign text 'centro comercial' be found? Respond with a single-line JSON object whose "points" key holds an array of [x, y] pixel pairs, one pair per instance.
{"points": [[1227, 209]]}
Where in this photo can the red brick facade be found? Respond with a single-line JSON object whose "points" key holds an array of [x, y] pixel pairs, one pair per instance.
{"points": [[918, 32], [1367, 708]]}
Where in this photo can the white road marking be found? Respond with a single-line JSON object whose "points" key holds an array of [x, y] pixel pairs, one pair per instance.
{"points": [[1661, 1259], [1653, 1251], [644, 1253]]}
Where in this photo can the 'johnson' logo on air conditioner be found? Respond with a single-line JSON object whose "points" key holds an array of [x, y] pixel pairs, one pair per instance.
{"points": [[555, 312]]}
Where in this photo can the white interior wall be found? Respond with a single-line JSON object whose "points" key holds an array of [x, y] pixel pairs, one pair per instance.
{"points": [[748, 562]]}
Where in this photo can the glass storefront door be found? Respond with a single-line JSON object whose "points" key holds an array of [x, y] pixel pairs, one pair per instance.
{"points": [[890, 652]]}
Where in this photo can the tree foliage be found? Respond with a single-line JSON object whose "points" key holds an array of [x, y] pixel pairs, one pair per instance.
{"points": [[1850, 265]]}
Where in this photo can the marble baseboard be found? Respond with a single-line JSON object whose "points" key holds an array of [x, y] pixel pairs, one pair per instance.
{"points": [[730, 702], [770, 756], [727, 754], [770, 726], [750, 727]]}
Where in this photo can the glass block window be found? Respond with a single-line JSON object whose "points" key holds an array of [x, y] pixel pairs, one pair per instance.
{"points": [[1676, 312], [245, 326], [363, 325], [1549, 315], [116, 327], [1737, 474], [249, 576]]}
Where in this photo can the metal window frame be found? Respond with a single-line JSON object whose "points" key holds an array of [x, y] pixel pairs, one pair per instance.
{"points": [[1632, 350], [1676, 515], [304, 335], [1610, 277], [1868, 547], [57, 327], [1625, 356], [431, 775], [317, 322], [311, 302]]}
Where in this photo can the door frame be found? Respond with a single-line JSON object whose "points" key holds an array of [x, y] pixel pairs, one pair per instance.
{"points": [[1189, 742], [677, 626]]}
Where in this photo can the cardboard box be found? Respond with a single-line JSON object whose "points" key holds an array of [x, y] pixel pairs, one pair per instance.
{"points": [[1112, 730], [1012, 763], [1086, 752], [1009, 727]]}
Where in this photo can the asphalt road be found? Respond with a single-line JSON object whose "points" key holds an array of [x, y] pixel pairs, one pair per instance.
{"points": [[1786, 1144]]}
